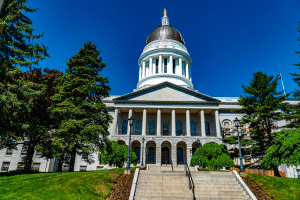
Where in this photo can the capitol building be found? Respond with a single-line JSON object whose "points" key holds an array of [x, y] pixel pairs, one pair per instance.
{"points": [[170, 115]]}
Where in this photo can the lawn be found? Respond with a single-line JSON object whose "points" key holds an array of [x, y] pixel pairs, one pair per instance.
{"points": [[277, 187], [61, 185]]}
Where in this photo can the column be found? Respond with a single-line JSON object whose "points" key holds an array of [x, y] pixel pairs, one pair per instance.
{"points": [[129, 115], [217, 123], [202, 123], [158, 154], [174, 153], [189, 154], [187, 70], [160, 64], [188, 123], [150, 66], [158, 128], [170, 66], [173, 123], [144, 124], [115, 123], [140, 73], [144, 70], [180, 66]]}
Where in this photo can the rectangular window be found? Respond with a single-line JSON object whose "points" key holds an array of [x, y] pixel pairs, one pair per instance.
{"points": [[84, 157], [5, 166], [99, 167], [20, 166], [174, 66], [165, 65], [156, 66], [38, 154], [298, 171], [24, 150], [36, 167], [82, 168], [183, 69], [9, 152], [65, 168]]}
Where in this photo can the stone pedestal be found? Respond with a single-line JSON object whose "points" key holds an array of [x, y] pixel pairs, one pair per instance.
{"points": [[126, 172]]}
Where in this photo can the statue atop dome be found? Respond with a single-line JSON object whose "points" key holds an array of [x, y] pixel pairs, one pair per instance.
{"points": [[165, 19]]}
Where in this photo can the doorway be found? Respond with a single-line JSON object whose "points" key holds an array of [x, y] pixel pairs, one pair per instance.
{"points": [[165, 153]]}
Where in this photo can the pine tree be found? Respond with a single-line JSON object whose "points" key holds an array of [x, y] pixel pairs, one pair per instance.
{"points": [[17, 49], [260, 105], [293, 111], [84, 119]]}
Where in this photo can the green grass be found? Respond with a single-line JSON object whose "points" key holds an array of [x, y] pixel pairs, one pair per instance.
{"points": [[61, 185], [277, 187]]}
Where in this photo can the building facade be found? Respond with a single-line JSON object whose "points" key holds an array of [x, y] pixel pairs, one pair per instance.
{"points": [[170, 116]]}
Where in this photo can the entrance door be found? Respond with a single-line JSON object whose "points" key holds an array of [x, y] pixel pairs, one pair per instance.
{"points": [[165, 155], [180, 156]]}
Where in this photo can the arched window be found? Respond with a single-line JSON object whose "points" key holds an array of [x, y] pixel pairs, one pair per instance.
{"points": [[138, 127], [152, 128], [178, 128], [151, 154], [137, 152], [207, 129], [193, 128], [166, 128], [124, 127]]}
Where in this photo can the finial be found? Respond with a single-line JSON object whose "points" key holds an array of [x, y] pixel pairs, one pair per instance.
{"points": [[165, 19]]}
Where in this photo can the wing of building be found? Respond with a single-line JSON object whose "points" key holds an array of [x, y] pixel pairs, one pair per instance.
{"points": [[170, 116]]}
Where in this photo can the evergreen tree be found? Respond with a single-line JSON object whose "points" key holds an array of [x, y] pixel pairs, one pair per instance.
{"points": [[293, 111], [17, 49], [260, 105], [83, 118]]}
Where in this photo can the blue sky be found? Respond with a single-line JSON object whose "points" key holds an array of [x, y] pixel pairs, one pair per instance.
{"points": [[227, 40]]}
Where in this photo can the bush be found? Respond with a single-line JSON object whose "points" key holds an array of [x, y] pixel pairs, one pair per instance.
{"points": [[115, 154], [212, 155]]}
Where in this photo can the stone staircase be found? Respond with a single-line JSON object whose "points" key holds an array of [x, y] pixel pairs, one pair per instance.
{"points": [[218, 185], [161, 183]]}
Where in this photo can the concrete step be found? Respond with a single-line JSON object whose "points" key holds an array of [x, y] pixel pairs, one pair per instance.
{"points": [[219, 188], [163, 184], [182, 194], [216, 192], [220, 196], [163, 191], [160, 198]]}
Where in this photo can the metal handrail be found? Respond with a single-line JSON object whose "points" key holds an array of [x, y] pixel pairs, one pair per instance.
{"points": [[191, 182]]}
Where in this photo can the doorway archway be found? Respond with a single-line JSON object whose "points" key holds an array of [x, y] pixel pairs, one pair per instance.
{"points": [[165, 153]]}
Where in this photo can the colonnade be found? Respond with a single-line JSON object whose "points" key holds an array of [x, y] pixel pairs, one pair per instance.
{"points": [[173, 122], [181, 67]]}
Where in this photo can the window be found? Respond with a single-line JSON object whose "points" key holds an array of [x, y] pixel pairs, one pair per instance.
{"points": [[151, 154], [138, 128], [99, 167], [165, 128], [156, 66], [83, 168], [207, 132], [9, 152], [183, 69], [65, 168], [298, 171], [5, 166], [124, 127], [38, 154], [84, 156], [193, 128], [36, 167], [137, 152], [174, 66], [178, 128], [24, 150], [20, 166], [165, 65], [68, 157], [152, 128]]}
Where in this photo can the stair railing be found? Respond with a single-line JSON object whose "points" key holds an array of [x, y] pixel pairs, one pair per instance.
{"points": [[191, 182]]}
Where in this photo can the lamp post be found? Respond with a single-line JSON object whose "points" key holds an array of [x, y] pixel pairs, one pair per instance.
{"points": [[237, 123], [127, 169], [143, 140], [199, 153]]}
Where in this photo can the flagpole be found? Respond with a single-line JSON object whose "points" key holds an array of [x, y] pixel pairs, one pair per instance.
{"points": [[282, 84]]}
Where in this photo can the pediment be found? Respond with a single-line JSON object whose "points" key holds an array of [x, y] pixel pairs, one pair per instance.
{"points": [[167, 92]]}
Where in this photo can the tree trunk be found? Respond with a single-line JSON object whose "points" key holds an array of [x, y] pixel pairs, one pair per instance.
{"points": [[276, 172], [61, 161], [28, 158], [72, 162]]}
